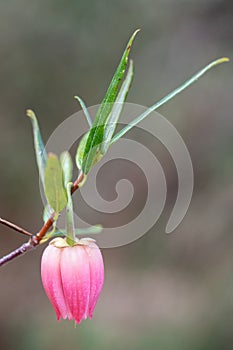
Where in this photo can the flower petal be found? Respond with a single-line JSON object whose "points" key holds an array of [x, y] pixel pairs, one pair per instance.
{"points": [[75, 274], [96, 274], [51, 279]]}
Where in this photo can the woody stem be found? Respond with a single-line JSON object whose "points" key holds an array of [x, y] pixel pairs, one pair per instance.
{"points": [[14, 227]]}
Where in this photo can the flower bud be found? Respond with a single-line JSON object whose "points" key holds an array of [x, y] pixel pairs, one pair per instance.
{"points": [[72, 277]]}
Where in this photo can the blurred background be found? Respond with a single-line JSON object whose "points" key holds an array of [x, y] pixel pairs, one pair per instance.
{"points": [[162, 291]]}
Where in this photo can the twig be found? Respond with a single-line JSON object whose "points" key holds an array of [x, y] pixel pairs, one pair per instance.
{"points": [[77, 183], [14, 227], [24, 248], [34, 240]]}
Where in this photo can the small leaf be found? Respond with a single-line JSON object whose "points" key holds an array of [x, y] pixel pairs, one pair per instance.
{"points": [[167, 98], [70, 234], [54, 188], [67, 167], [47, 213], [41, 155], [80, 151], [85, 110], [116, 110], [96, 133]]}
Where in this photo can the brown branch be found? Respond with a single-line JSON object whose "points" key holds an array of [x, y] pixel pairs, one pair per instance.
{"points": [[24, 248], [14, 227], [77, 183], [34, 240]]}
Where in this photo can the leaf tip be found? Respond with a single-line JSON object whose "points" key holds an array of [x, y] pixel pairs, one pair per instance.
{"points": [[221, 60], [52, 155], [225, 59], [132, 38], [131, 63], [137, 31], [30, 113]]}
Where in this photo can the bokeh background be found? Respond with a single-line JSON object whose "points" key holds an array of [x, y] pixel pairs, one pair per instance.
{"points": [[163, 291]]}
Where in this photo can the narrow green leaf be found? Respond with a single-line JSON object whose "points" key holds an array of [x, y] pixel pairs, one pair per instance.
{"points": [[167, 98], [116, 110], [70, 234], [67, 167], [85, 110], [80, 231], [54, 188], [96, 133], [41, 155]]}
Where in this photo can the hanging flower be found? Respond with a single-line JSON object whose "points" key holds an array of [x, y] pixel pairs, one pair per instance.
{"points": [[72, 277]]}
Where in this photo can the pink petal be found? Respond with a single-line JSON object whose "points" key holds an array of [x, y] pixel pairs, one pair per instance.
{"points": [[51, 279], [96, 274], [75, 274]]}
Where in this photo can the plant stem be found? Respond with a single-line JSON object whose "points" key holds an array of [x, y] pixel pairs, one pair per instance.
{"points": [[24, 248], [14, 227], [70, 230], [77, 182], [34, 240]]}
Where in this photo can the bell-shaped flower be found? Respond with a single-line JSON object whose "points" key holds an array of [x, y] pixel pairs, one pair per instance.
{"points": [[72, 277]]}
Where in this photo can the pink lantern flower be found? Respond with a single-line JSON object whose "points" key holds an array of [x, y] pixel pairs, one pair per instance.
{"points": [[72, 277]]}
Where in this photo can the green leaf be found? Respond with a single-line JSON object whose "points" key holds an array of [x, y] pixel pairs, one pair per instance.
{"points": [[85, 110], [96, 134], [41, 155], [67, 167], [80, 231], [116, 110], [80, 151], [54, 188], [167, 98], [47, 213], [70, 234]]}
